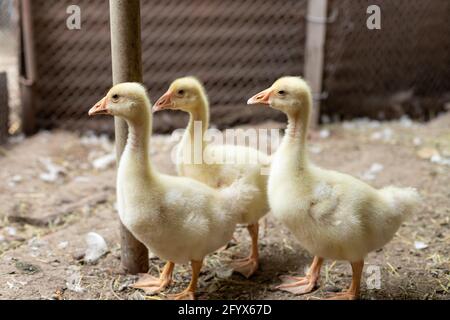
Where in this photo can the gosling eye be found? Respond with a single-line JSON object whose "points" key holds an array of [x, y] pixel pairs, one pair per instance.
{"points": [[281, 93], [181, 92], [115, 98]]}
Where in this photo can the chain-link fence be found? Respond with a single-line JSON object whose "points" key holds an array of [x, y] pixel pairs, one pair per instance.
{"points": [[235, 47], [239, 47], [404, 68]]}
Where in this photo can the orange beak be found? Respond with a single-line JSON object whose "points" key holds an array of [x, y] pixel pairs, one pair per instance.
{"points": [[164, 102], [261, 98], [100, 107]]}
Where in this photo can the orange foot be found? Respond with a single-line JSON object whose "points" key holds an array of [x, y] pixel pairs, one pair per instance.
{"points": [[247, 266], [353, 292], [151, 285], [184, 295], [346, 295], [298, 285]]}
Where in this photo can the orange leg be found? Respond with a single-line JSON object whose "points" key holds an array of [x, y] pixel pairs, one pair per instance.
{"points": [[189, 292], [302, 285], [152, 285], [353, 292], [248, 266]]}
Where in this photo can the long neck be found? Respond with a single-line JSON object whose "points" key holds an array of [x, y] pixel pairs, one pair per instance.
{"points": [[199, 113], [193, 143], [296, 134], [137, 146]]}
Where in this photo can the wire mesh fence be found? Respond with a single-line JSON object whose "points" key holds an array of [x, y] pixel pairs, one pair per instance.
{"points": [[403, 68], [233, 46], [239, 47]]}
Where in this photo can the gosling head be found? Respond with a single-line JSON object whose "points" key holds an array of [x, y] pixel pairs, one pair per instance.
{"points": [[127, 100], [290, 95], [184, 94]]}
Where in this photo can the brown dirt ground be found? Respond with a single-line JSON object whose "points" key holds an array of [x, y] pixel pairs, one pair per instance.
{"points": [[37, 218]]}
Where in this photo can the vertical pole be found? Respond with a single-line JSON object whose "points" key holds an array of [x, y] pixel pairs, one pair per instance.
{"points": [[28, 68], [127, 67], [4, 108], [314, 57]]}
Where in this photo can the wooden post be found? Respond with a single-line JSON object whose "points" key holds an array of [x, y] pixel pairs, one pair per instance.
{"points": [[28, 68], [4, 108], [127, 67], [314, 55]]}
